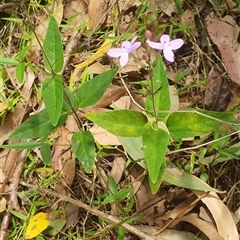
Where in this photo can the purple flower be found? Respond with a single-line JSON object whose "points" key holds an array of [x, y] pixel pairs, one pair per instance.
{"points": [[123, 52], [167, 46]]}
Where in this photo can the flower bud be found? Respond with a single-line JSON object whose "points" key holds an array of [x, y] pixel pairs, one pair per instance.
{"points": [[145, 57], [148, 34]]}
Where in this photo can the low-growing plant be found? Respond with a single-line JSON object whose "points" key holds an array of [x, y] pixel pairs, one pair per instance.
{"points": [[150, 132]]}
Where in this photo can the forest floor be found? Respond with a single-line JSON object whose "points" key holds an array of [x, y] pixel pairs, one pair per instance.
{"points": [[114, 200]]}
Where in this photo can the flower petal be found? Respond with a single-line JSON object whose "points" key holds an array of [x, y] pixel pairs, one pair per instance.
{"points": [[176, 44], [115, 52], [133, 40], [155, 45], [168, 54], [164, 38], [126, 44], [123, 59], [133, 47]]}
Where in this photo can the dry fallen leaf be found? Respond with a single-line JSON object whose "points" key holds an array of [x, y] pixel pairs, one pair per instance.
{"points": [[62, 160], [57, 9], [103, 137], [97, 13], [3, 106], [167, 6], [221, 215], [217, 93], [188, 19], [144, 197], [112, 94], [206, 227], [227, 43], [3, 204], [75, 13], [123, 102], [100, 53], [13, 119], [168, 234], [118, 168], [181, 209]]}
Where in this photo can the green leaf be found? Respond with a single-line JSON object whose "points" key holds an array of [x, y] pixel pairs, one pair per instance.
{"points": [[55, 227], [189, 124], [18, 214], [8, 61], [52, 91], [112, 185], [83, 146], [124, 123], [46, 153], [135, 153], [171, 174], [20, 70], [155, 186], [22, 145], [40, 238], [69, 101], [53, 48], [91, 91], [161, 99], [22, 53], [183, 179], [118, 196], [155, 141], [36, 126]]}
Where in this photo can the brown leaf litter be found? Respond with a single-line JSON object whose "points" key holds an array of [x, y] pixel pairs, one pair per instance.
{"points": [[178, 213]]}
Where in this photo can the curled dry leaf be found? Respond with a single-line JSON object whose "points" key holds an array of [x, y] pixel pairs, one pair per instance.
{"points": [[227, 43], [221, 215], [181, 209], [168, 234], [206, 227]]}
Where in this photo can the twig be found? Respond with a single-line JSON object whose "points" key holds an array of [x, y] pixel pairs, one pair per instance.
{"points": [[130, 95]]}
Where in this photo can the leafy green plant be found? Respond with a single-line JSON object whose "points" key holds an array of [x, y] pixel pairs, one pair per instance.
{"points": [[148, 135]]}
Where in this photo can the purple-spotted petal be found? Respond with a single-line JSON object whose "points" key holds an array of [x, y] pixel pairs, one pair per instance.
{"points": [[168, 54], [115, 52], [176, 44], [155, 45], [164, 38], [123, 59]]}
